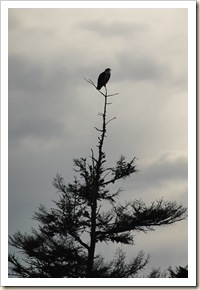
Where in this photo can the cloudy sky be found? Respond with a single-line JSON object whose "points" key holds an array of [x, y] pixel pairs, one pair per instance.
{"points": [[53, 110]]}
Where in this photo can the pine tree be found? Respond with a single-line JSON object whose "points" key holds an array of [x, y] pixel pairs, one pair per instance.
{"points": [[180, 272], [65, 242]]}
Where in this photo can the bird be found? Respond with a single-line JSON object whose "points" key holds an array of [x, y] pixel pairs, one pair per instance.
{"points": [[103, 78]]}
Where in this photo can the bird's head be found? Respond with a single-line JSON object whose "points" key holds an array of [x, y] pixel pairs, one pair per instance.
{"points": [[107, 70]]}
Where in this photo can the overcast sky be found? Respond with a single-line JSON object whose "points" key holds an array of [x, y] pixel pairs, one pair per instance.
{"points": [[53, 110]]}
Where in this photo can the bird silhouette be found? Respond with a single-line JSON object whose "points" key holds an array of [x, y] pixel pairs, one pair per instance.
{"points": [[103, 78]]}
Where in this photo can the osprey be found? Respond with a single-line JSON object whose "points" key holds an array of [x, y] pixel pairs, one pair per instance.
{"points": [[103, 78]]}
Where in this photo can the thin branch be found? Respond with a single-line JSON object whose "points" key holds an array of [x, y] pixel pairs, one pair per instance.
{"points": [[106, 93], [79, 240], [110, 181], [98, 129], [112, 95], [93, 84], [90, 82], [111, 120], [107, 174], [93, 158]]}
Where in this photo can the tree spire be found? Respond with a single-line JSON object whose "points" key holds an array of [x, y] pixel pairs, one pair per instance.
{"points": [[64, 244]]}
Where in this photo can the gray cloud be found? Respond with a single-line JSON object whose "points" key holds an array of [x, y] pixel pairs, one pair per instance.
{"points": [[169, 166], [141, 68], [117, 28]]}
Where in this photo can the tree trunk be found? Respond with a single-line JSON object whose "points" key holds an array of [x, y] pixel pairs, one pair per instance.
{"points": [[91, 250]]}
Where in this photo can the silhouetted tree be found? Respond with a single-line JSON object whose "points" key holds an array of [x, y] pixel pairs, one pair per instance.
{"points": [[156, 273], [64, 245], [180, 272]]}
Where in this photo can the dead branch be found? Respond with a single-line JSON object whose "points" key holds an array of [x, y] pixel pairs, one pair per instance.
{"points": [[93, 84]]}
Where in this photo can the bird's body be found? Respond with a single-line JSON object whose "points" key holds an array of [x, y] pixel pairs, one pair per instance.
{"points": [[103, 78]]}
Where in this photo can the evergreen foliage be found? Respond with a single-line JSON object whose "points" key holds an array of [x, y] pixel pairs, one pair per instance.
{"points": [[65, 242]]}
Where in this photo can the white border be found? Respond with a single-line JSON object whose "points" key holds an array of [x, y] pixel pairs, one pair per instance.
{"points": [[98, 4], [192, 158], [191, 281]]}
